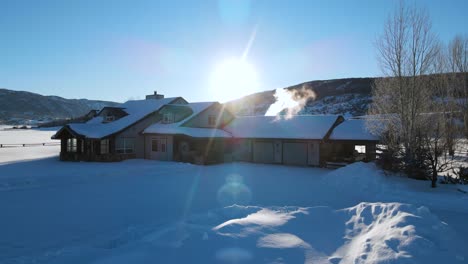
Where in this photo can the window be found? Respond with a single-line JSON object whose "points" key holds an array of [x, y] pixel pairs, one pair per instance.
{"points": [[168, 118], [211, 120], [158, 144], [109, 118], [360, 148], [104, 146], [71, 145], [82, 146], [125, 145], [154, 145]]}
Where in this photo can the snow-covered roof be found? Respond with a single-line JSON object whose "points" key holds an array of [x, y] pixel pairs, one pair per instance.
{"points": [[195, 132], [196, 107], [178, 129], [352, 129], [296, 127], [136, 110]]}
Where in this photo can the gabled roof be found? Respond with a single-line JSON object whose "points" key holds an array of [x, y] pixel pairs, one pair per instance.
{"points": [[136, 110], [296, 127], [178, 128], [352, 129], [110, 107]]}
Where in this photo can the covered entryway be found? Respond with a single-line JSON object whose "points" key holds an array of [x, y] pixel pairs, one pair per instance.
{"points": [[159, 148], [295, 153], [263, 152]]}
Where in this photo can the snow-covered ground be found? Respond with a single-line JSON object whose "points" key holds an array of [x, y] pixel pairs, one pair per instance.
{"points": [[141, 211], [12, 139]]}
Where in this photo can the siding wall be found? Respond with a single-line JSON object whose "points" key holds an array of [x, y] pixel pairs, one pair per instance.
{"points": [[134, 132]]}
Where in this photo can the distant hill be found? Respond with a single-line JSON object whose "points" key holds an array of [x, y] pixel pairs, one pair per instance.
{"points": [[350, 97], [19, 107]]}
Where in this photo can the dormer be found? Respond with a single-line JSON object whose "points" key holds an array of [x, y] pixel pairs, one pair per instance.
{"points": [[110, 114], [215, 116], [173, 113]]}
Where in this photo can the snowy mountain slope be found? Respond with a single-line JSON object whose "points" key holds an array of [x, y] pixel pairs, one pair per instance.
{"points": [[142, 211], [19, 106], [340, 96]]}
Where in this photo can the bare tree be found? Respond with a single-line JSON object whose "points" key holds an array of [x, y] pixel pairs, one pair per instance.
{"points": [[458, 49], [439, 134], [458, 66], [407, 49], [434, 146]]}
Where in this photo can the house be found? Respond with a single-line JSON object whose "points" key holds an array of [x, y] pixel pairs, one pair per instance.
{"points": [[114, 133], [173, 129]]}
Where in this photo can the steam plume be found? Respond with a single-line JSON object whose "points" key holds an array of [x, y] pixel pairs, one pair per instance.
{"points": [[291, 101]]}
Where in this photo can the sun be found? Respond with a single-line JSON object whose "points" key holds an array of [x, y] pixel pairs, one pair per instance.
{"points": [[232, 79]]}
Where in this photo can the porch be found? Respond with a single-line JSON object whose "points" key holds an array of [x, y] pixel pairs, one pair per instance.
{"points": [[338, 153], [103, 150]]}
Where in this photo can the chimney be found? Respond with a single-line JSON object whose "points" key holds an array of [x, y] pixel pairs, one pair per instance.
{"points": [[155, 96]]}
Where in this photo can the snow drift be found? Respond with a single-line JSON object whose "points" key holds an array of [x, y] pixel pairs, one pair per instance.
{"points": [[365, 233]]}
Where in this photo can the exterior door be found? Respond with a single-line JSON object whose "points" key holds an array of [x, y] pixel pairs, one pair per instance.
{"points": [[159, 148], [263, 152], [314, 154], [295, 153]]}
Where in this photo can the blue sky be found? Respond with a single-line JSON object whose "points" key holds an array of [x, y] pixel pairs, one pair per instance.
{"points": [[120, 50]]}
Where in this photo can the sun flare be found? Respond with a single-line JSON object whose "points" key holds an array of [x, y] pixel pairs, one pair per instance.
{"points": [[233, 78]]}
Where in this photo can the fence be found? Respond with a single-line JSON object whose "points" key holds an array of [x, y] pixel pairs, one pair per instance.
{"points": [[30, 145]]}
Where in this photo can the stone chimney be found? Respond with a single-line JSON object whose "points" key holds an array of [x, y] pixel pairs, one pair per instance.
{"points": [[155, 96]]}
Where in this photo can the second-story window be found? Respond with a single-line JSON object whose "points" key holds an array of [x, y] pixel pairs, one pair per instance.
{"points": [[211, 120], [109, 118], [168, 118]]}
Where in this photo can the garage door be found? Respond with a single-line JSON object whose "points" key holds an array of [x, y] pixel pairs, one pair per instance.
{"points": [[263, 152], [295, 153]]}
